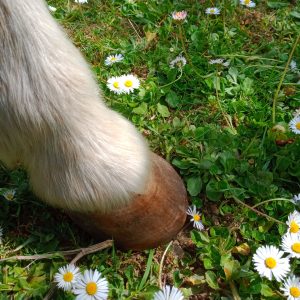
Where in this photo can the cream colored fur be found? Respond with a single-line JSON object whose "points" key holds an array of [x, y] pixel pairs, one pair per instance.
{"points": [[79, 154]]}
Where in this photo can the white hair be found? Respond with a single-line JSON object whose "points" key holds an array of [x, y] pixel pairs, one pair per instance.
{"points": [[79, 154]]}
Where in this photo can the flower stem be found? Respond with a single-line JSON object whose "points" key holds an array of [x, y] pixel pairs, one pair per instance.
{"points": [[282, 78], [220, 105], [271, 200], [257, 211], [234, 291], [163, 86]]}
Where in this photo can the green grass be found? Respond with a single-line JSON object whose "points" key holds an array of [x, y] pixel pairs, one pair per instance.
{"points": [[213, 123]]}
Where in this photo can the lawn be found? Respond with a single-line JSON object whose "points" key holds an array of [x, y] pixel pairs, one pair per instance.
{"points": [[220, 114]]}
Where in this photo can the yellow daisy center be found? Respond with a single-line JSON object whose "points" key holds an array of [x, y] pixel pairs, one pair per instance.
{"points": [[270, 262], [9, 196], [297, 125], [295, 292], [211, 10], [113, 58], [296, 247], [91, 288], [68, 277], [247, 2], [294, 227], [128, 83], [116, 84], [196, 218]]}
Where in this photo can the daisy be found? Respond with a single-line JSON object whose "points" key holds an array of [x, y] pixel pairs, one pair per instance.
{"points": [[52, 8], [111, 59], [168, 293], [296, 199], [81, 1], [268, 261], [91, 286], [295, 125], [179, 15], [196, 217], [291, 288], [294, 222], [212, 11], [114, 84], [9, 195], [291, 244], [247, 3], [66, 277], [179, 62], [129, 83]]}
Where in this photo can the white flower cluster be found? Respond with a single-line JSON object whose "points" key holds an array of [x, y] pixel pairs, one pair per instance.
{"points": [[271, 262], [89, 285], [124, 84]]}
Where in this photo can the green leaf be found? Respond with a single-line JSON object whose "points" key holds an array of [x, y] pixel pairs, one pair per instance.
{"points": [[231, 268], [275, 4], [211, 279], [148, 268], [208, 264], [266, 290], [172, 99], [213, 191], [163, 110], [194, 185], [141, 110], [295, 14]]}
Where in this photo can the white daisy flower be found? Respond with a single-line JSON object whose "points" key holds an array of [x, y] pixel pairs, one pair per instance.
{"points": [[296, 199], [81, 1], [269, 262], [168, 293], [91, 286], [52, 8], [1, 235], [247, 3], [179, 62], [179, 15], [115, 85], [291, 244], [196, 217], [129, 83], [294, 222], [111, 59], [9, 195], [295, 125], [66, 277], [291, 288], [212, 11]]}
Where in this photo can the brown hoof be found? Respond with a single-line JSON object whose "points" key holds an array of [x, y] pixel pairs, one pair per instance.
{"points": [[150, 219]]}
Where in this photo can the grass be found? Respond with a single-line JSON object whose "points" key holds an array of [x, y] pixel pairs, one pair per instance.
{"points": [[215, 124]]}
